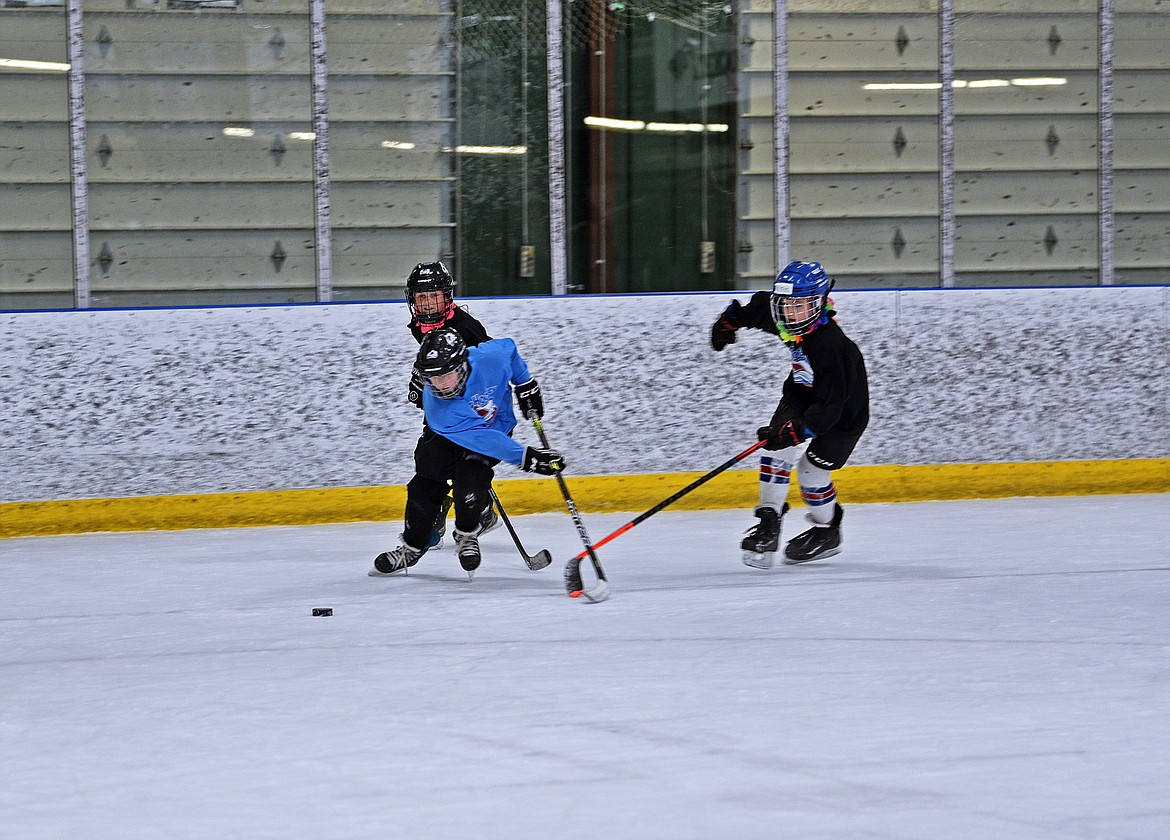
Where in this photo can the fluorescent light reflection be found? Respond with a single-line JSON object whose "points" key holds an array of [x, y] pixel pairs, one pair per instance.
{"points": [[1040, 82], [638, 125], [396, 144], [238, 131], [302, 135], [491, 150], [1043, 81], [28, 64], [617, 125]]}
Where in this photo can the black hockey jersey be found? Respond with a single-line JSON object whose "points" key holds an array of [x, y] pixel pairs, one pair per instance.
{"points": [[828, 385], [472, 331]]}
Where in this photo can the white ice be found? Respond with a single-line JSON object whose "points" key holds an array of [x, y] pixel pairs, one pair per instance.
{"points": [[987, 669]]}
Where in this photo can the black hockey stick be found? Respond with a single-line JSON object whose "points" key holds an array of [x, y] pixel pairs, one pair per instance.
{"points": [[535, 562], [668, 502], [573, 582]]}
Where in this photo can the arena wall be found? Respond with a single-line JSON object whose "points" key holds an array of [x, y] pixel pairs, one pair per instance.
{"points": [[170, 418]]}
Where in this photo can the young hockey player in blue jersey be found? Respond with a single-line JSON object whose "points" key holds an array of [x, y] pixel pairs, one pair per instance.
{"points": [[825, 400], [430, 294], [467, 399]]}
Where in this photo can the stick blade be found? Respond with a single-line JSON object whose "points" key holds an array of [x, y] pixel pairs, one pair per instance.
{"points": [[598, 593], [541, 560], [575, 586], [573, 583]]}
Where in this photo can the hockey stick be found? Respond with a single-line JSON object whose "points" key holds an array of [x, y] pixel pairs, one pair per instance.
{"points": [[535, 562], [668, 502], [573, 582]]}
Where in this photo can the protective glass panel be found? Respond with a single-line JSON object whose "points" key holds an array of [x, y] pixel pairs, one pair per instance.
{"points": [[391, 89], [501, 148], [653, 134], [756, 224], [1141, 84], [864, 146], [200, 158], [1025, 145], [36, 242]]}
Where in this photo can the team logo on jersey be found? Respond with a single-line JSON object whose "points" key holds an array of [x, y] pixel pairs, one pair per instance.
{"points": [[802, 372], [485, 404]]}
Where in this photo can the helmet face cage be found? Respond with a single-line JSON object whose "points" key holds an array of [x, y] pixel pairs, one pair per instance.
{"points": [[430, 277], [800, 282], [442, 353]]}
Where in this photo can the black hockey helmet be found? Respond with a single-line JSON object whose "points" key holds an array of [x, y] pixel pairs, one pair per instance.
{"points": [[430, 277], [442, 353]]}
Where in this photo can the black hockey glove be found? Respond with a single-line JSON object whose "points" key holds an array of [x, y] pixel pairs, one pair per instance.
{"points": [[531, 402], [415, 391], [790, 434], [543, 461], [723, 332]]}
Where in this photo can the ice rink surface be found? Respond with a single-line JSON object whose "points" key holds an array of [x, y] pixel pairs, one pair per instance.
{"points": [[993, 670]]}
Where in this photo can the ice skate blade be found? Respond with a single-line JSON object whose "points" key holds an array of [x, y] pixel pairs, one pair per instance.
{"points": [[796, 561], [759, 560], [375, 573]]}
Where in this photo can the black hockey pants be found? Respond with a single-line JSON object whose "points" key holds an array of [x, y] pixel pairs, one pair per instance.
{"points": [[438, 461]]}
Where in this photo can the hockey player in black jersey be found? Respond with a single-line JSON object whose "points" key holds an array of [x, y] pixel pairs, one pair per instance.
{"points": [[825, 401], [430, 293]]}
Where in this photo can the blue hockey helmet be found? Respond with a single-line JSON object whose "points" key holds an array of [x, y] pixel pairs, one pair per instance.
{"points": [[799, 297]]}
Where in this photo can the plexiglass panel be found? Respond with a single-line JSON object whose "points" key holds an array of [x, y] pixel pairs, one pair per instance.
{"points": [[201, 149], [391, 139], [864, 146], [501, 147], [1025, 144], [653, 136], [36, 241], [200, 158], [1140, 140]]}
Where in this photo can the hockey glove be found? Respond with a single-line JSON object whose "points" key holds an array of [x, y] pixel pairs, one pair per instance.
{"points": [[790, 434], [415, 391], [723, 332], [542, 461], [531, 402]]}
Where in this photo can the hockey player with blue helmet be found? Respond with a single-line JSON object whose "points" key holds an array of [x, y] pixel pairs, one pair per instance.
{"points": [[467, 401], [825, 401]]}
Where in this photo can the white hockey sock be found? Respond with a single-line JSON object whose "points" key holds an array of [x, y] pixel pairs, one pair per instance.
{"points": [[818, 491], [774, 477]]}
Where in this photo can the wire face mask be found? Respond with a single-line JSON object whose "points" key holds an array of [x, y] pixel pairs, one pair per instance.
{"points": [[799, 297]]}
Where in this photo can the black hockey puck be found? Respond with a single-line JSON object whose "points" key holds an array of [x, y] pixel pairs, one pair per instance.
{"points": [[322, 610]]}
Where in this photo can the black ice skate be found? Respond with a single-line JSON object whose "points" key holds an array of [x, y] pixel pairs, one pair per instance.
{"points": [[488, 522], [817, 542], [468, 545], [763, 541], [398, 560]]}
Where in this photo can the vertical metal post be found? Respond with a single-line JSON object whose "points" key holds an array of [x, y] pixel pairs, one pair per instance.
{"points": [[456, 140], [557, 210], [525, 139], [780, 131], [78, 178], [1105, 217], [946, 143], [322, 212]]}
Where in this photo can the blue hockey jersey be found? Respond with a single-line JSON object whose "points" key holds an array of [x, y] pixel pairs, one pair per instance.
{"points": [[482, 418]]}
